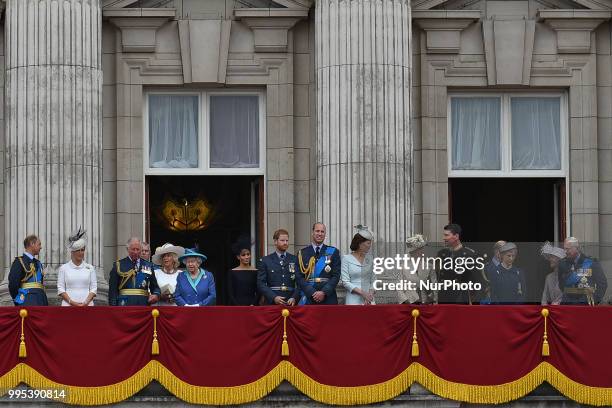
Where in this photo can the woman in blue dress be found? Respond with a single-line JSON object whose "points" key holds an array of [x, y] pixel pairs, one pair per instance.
{"points": [[195, 286]]}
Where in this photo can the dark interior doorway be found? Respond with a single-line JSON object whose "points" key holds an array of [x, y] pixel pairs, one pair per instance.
{"points": [[526, 211], [206, 212]]}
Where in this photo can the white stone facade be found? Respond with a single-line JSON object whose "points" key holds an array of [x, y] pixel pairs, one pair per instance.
{"points": [[290, 51]]}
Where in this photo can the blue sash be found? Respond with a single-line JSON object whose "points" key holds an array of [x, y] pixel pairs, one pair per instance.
{"points": [[573, 277], [320, 265], [318, 270]]}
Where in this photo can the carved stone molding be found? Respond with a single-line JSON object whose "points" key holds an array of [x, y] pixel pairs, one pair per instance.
{"points": [[204, 61], [271, 34], [508, 48], [443, 28], [139, 26], [574, 27]]}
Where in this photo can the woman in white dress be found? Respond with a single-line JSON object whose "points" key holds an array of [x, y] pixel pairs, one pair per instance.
{"points": [[357, 269], [167, 257], [76, 280]]}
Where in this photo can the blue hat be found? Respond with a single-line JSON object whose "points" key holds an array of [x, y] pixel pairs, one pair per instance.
{"points": [[192, 253]]}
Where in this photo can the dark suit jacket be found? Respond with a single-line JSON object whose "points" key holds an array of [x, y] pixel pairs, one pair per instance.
{"points": [[329, 287], [270, 273]]}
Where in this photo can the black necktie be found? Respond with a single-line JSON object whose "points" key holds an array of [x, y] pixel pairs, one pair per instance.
{"points": [[282, 258], [317, 252]]}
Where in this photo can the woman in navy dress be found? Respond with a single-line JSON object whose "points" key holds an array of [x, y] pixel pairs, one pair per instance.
{"points": [[507, 282], [195, 286]]}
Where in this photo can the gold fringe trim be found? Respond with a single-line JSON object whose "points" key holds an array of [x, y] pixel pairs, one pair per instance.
{"points": [[327, 394]]}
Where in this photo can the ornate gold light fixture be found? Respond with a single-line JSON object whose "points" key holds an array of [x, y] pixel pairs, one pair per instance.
{"points": [[196, 215]]}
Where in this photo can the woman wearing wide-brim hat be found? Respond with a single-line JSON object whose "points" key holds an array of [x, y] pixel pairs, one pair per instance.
{"points": [[166, 256], [195, 286]]}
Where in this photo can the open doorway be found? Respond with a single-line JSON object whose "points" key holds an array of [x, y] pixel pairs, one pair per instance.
{"points": [[527, 211], [209, 213]]}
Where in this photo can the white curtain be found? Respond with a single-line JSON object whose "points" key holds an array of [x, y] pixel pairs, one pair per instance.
{"points": [[234, 131], [536, 134], [173, 131], [475, 130]]}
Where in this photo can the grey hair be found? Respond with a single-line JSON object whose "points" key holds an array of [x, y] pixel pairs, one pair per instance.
{"points": [[197, 258], [573, 242], [133, 239]]}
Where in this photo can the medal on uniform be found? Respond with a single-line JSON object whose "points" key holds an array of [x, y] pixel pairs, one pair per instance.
{"points": [[292, 267], [327, 262], [143, 284]]}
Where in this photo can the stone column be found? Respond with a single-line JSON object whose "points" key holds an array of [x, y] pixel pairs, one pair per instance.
{"points": [[364, 145], [53, 160]]}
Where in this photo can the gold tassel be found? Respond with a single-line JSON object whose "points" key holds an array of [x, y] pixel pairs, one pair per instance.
{"points": [[415, 344], [155, 345], [545, 347], [285, 346], [22, 346]]}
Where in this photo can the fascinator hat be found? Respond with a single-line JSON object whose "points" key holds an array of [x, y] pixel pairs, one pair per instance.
{"points": [[364, 232], [548, 249], [415, 242], [77, 240]]}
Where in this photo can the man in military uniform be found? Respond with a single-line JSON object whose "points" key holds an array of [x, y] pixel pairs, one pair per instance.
{"points": [[319, 269], [132, 281], [455, 256], [26, 276], [276, 273], [581, 278]]}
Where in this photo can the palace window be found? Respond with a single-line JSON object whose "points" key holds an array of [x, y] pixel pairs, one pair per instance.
{"points": [[507, 134], [220, 132]]}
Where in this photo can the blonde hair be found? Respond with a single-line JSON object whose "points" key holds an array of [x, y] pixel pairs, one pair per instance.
{"points": [[175, 261]]}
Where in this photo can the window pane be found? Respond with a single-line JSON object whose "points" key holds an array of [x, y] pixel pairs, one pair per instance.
{"points": [[234, 131], [173, 131], [475, 124], [536, 134]]}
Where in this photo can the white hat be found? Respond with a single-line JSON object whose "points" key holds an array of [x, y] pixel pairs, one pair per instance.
{"points": [[415, 242], [77, 240], [167, 248], [364, 232], [548, 249]]}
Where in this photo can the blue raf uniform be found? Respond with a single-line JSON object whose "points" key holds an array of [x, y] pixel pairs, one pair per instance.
{"points": [[26, 282], [322, 273], [277, 276], [131, 282], [582, 280]]}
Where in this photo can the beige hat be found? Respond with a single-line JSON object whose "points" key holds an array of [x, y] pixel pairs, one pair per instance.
{"points": [[167, 248], [415, 242]]}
